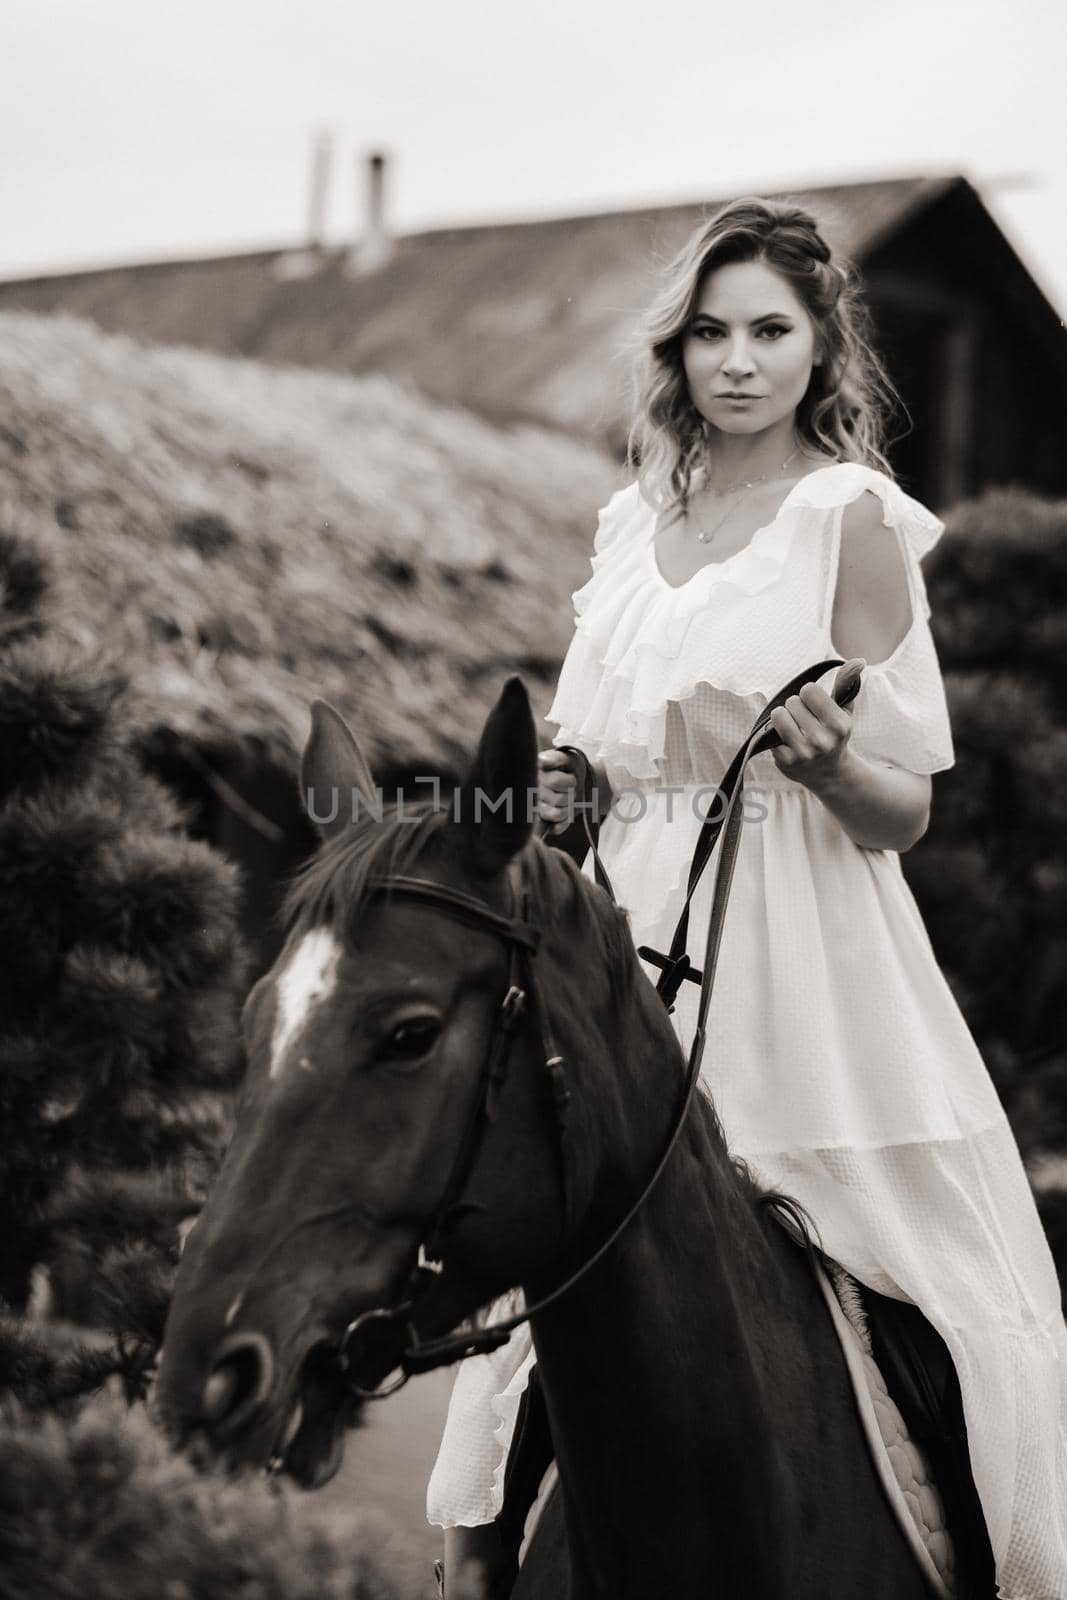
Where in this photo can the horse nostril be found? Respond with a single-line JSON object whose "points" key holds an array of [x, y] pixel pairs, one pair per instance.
{"points": [[240, 1379], [219, 1392]]}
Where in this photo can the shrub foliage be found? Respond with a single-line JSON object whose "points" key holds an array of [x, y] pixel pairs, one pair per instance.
{"points": [[118, 988], [991, 875]]}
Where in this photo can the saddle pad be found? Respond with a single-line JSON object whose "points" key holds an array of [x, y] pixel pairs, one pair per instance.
{"points": [[541, 1499], [901, 1466]]}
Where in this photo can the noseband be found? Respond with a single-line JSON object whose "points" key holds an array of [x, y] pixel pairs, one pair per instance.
{"points": [[522, 939]]}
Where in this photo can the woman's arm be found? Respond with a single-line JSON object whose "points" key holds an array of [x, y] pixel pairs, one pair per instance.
{"points": [[879, 807]]}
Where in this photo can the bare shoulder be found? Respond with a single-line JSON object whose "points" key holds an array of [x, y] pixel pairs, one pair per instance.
{"points": [[862, 514], [870, 550], [872, 603]]}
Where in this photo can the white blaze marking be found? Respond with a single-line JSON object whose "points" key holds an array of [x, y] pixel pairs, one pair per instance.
{"points": [[307, 981]]}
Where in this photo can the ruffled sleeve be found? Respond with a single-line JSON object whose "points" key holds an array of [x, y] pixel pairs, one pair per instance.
{"points": [[901, 714], [621, 515], [616, 543]]}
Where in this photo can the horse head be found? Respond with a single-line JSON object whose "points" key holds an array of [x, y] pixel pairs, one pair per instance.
{"points": [[368, 1127]]}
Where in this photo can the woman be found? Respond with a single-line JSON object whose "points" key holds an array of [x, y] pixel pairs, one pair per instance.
{"points": [[763, 533]]}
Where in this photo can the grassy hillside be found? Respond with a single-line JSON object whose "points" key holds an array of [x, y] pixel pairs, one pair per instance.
{"points": [[245, 538]]}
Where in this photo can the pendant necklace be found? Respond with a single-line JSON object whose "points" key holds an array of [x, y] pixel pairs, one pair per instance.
{"points": [[704, 534]]}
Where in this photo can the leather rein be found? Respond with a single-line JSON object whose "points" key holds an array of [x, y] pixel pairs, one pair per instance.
{"points": [[521, 938]]}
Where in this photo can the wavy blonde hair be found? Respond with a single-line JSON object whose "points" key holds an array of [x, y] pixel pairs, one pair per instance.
{"points": [[850, 394]]}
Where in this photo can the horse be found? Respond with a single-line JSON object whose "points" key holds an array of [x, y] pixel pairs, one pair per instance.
{"points": [[706, 1434]]}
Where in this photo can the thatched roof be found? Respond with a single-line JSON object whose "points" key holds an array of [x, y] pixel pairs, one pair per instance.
{"points": [[522, 319], [247, 538]]}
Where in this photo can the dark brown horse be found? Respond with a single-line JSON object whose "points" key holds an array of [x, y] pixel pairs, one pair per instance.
{"points": [[706, 1435]]}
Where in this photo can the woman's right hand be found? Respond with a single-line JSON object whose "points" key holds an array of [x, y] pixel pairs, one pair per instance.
{"points": [[557, 788]]}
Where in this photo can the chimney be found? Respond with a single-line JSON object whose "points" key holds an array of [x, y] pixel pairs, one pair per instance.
{"points": [[321, 162], [309, 260], [373, 247]]}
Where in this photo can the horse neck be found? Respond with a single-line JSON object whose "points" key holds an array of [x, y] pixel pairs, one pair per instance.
{"points": [[699, 1268], [662, 1355]]}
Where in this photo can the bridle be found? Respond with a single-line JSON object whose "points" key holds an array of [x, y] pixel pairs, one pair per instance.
{"points": [[521, 997]]}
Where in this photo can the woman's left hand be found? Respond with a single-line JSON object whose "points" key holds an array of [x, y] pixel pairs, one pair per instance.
{"points": [[815, 732]]}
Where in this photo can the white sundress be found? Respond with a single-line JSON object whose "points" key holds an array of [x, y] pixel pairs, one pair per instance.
{"points": [[837, 1057]]}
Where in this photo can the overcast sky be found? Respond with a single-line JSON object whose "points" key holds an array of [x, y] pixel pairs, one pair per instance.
{"points": [[130, 131]]}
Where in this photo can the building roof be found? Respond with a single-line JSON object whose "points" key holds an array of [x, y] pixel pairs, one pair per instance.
{"points": [[527, 319]]}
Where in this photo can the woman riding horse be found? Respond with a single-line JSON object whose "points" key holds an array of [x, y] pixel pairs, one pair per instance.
{"points": [[459, 1079]]}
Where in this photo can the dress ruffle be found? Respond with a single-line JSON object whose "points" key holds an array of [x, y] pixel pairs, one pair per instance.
{"points": [[641, 643], [466, 1487], [836, 485]]}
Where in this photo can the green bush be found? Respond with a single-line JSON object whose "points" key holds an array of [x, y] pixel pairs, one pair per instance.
{"points": [[991, 875], [119, 991], [100, 1508], [119, 987]]}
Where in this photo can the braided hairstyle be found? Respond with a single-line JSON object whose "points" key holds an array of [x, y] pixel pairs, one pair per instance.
{"points": [[849, 395]]}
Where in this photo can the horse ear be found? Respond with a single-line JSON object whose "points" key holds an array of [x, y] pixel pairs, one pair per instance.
{"points": [[494, 806], [332, 771]]}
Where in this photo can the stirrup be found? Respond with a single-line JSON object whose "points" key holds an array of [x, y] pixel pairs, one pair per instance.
{"points": [[439, 1574]]}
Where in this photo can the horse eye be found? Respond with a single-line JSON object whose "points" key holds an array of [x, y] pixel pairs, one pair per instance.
{"points": [[410, 1040]]}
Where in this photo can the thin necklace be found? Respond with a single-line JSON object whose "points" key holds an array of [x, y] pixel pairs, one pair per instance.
{"points": [[704, 534]]}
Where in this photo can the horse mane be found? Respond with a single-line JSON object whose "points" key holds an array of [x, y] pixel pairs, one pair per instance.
{"points": [[611, 921], [333, 887], [774, 1203], [794, 1218]]}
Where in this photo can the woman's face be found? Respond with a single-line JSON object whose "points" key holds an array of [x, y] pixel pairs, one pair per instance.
{"points": [[750, 335]]}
